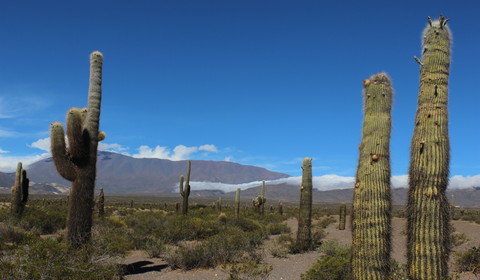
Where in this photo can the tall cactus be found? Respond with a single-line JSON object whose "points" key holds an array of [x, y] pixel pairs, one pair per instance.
{"points": [[19, 191], [304, 233], [428, 215], [372, 204], [101, 204], [237, 204], [185, 190], [77, 163], [342, 216]]}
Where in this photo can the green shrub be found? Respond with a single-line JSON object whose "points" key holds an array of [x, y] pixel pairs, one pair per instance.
{"points": [[458, 238], [50, 259], [189, 255], [45, 220], [279, 249], [11, 234], [155, 247], [325, 222], [468, 260], [248, 271], [277, 228], [112, 237], [335, 265]]}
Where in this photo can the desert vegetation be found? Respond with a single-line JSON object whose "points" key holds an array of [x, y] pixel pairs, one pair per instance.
{"points": [[80, 238]]}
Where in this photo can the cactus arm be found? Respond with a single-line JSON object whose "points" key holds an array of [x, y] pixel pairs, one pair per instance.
{"points": [[187, 183], [94, 95], [59, 152], [25, 184], [181, 185], [77, 140]]}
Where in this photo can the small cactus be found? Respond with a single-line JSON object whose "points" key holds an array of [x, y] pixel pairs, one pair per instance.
{"points": [[237, 204], [185, 190], [222, 218], [304, 233], [101, 204], [343, 216], [177, 207], [259, 201], [19, 191], [280, 208]]}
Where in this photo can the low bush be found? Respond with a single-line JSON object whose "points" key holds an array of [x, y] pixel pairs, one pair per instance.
{"points": [[458, 238], [335, 265], [155, 247], [325, 222], [50, 259], [468, 260], [277, 228]]}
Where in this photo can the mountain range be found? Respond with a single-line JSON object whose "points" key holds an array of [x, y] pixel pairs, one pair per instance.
{"points": [[121, 174]]}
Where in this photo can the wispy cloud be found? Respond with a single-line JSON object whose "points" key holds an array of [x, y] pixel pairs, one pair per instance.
{"points": [[180, 152], [113, 147], [332, 182], [42, 144], [9, 163]]}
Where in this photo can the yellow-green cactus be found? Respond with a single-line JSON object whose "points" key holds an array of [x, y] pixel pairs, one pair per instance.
{"points": [[371, 217], [77, 163], [237, 204], [19, 192], [185, 190], [304, 233], [342, 216], [428, 215]]}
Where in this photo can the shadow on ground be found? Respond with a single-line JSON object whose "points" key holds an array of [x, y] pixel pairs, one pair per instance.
{"points": [[142, 267]]}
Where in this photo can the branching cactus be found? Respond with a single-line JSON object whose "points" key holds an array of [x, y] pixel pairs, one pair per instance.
{"points": [[20, 192], [77, 163], [428, 215], [372, 204], [185, 190], [237, 204], [101, 204], [343, 216], [259, 201], [304, 233]]}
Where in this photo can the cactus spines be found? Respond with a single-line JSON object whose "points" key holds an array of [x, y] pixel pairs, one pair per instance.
{"points": [[78, 163], [428, 215], [304, 233], [237, 204], [185, 190], [101, 204], [19, 191], [343, 216], [371, 216]]}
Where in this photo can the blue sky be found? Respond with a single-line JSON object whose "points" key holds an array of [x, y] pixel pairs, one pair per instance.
{"points": [[262, 83]]}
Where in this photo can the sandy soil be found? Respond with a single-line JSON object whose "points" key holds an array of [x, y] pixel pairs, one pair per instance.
{"points": [[141, 267]]}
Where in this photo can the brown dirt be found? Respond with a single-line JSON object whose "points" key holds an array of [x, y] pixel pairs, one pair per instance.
{"points": [[144, 268]]}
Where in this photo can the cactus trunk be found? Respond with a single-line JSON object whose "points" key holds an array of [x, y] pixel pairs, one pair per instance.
{"points": [[19, 192], [185, 190], [101, 204], [428, 215], [371, 226], [78, 163], [237, 204], [304, 233], [342, 216]]}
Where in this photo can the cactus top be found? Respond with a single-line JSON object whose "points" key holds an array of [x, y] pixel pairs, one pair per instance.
{"points": [[436, 28]]}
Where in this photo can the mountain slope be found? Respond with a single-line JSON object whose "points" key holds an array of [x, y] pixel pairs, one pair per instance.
{"points": [[118, 173]]}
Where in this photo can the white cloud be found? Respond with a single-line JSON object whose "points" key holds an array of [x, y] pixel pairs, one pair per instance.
{"points": [[9, 164], [114, 147], [229, 158], [331, 182], [208, 148], [180, 152], [42, 144], [2, 151]]}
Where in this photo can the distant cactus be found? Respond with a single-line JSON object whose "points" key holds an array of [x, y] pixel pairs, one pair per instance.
{"points": [[218, 204], [343, 216], [237, 204], [77, 163], [280, 208], [177, 207], [428, 213], [101, 204], [259, 201], [19, 192], [185, 190], [304, 233], [222, 218], [371, 217]]}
